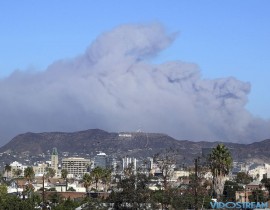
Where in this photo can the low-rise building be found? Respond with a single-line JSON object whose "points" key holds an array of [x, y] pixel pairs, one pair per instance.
{"points": [[15, 166], [259, 172], [179, 173], [40, 169]]}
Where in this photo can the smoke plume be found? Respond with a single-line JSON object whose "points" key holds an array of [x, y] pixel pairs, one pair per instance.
{"points": [[113, 86]]}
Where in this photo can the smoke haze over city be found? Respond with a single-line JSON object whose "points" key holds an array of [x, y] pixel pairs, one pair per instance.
{"points": [[115, 86]]}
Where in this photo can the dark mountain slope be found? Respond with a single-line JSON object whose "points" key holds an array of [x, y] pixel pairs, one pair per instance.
{"points": [[136, 144]]}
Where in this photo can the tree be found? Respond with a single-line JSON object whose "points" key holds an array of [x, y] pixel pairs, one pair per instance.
{"points": [[7, 169], [220, 161], [3, 190], [13, 202], [64, 174], [163, 197], [50, 172], [266, 182], [10, 201], [257, 196], [166, 163], [17, 172], [29, 173], [97, 174], [185, 199], [230, 188], [87, 181], [55, 198], [131, 193], [243, 178], [29, 189], [67, 204], [106, 178]]}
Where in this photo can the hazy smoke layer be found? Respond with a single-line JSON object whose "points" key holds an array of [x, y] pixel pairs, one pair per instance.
{"points": [[112, 86]]}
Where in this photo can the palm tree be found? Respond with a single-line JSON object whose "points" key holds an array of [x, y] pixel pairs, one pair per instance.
{"points": [[97, 174], [87, 181], [106, 177], [50, 172], [29, 173], [64, 174], [7, 169], [220, 164]]}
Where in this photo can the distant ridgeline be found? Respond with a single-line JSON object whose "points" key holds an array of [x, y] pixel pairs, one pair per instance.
{"points": [[138, 144]]}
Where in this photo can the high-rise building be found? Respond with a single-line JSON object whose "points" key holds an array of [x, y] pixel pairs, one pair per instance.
{"points": [[54, 160], [76, 166], [129, 161], [111, 163], [100, 160]]}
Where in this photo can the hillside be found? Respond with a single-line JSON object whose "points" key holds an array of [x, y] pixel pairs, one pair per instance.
{"points": [[135, 144]]}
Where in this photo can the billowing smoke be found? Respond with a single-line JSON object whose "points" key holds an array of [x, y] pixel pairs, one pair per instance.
{"points": [[113, 86]]}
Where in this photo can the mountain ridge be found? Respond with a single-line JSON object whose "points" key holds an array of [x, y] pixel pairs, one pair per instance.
{"points": [[137, 144]]}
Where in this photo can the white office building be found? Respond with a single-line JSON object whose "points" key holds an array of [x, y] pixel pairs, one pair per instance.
{"points": [[76, 166]]}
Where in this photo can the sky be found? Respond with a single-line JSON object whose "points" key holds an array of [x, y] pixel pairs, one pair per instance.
{"points": [[74, 65]]}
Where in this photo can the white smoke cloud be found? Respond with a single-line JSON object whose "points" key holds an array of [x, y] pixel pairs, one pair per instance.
{"points": [[112, 86]]}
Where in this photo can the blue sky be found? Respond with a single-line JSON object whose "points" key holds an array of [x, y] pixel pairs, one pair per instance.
{"points": [[224, 38]]}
